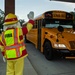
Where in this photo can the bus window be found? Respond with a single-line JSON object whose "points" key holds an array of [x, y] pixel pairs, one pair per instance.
{"points": [[51, 25], [35, 24]]}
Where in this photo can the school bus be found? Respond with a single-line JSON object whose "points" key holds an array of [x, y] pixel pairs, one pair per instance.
{"points": [[53, 32]]}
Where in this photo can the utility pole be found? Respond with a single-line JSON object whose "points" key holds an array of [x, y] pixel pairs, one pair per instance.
{"points": [[9, 6]]}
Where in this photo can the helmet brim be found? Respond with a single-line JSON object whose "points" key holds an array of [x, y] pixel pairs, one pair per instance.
{"points": [[9, 23]]}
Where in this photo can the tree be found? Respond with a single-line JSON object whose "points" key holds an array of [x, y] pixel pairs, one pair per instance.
{"points": [[2, 15]]}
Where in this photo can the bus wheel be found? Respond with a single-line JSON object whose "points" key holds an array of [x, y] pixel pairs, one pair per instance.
{"points": [[48, 51]]}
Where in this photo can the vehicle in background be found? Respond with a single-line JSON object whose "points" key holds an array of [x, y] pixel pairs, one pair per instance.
{"points": [[53, 32]]}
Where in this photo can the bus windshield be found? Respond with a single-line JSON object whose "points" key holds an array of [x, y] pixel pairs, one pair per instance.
{"points": [[56, 25]]}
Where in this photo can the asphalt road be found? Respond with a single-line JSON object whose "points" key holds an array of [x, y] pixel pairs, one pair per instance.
{"points": [[45, 67]]}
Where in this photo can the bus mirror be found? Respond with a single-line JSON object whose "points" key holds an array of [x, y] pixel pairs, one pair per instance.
{"points": [[60, 29], [74, 27]]}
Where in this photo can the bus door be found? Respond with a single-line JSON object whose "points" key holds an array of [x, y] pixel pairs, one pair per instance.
{"points": [[39, 35]]}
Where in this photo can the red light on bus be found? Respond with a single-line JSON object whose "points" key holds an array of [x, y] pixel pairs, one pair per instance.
{"points": [[69, 17], [47, 15], [51, 36]]}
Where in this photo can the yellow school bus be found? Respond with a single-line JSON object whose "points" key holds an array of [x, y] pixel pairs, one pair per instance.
{"points": [[53, 32]]}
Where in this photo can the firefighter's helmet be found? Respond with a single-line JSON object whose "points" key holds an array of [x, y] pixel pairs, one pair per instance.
{"points": [[10, 19]]}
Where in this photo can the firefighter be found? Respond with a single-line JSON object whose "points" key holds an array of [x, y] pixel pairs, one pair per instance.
{"points": [[12, 43]]}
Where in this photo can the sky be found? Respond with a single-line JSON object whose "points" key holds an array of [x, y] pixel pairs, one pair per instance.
{"points": [[23, 7]]}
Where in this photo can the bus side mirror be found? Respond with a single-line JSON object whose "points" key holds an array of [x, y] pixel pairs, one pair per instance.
{"points": [[60, 29]]}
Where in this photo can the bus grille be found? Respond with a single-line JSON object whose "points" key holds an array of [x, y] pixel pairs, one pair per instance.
{"points": [[72, 44]]}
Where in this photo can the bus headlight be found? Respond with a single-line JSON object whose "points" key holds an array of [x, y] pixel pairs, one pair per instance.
{"points": [[59, 46]]}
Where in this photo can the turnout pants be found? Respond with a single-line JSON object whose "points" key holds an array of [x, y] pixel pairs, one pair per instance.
{"points": [[15, 67]]}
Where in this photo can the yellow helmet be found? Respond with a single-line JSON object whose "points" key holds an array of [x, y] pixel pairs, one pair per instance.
{"points": [[10, 19]]}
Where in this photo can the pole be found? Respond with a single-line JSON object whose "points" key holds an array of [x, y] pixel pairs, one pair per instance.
{"points": [[9, 6]]}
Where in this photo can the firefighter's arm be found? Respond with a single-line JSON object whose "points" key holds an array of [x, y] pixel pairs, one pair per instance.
{"points": [[2, 51], [2, 48], [29, 24]]}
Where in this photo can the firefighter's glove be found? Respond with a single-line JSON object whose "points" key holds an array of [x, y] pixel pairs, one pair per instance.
{"points": [[30, 15], [4, 59]]}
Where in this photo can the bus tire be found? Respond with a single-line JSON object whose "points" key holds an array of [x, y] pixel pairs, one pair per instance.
{"points": [[48, 50]]}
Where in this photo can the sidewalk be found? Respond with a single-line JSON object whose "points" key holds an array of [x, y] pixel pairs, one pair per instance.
{"points": [[28, 68]]}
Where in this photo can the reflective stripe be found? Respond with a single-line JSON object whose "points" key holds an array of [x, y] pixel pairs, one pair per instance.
{"points": [[17, 47], [16, 41], [15, 36], [10, 20], [3, 40]]}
